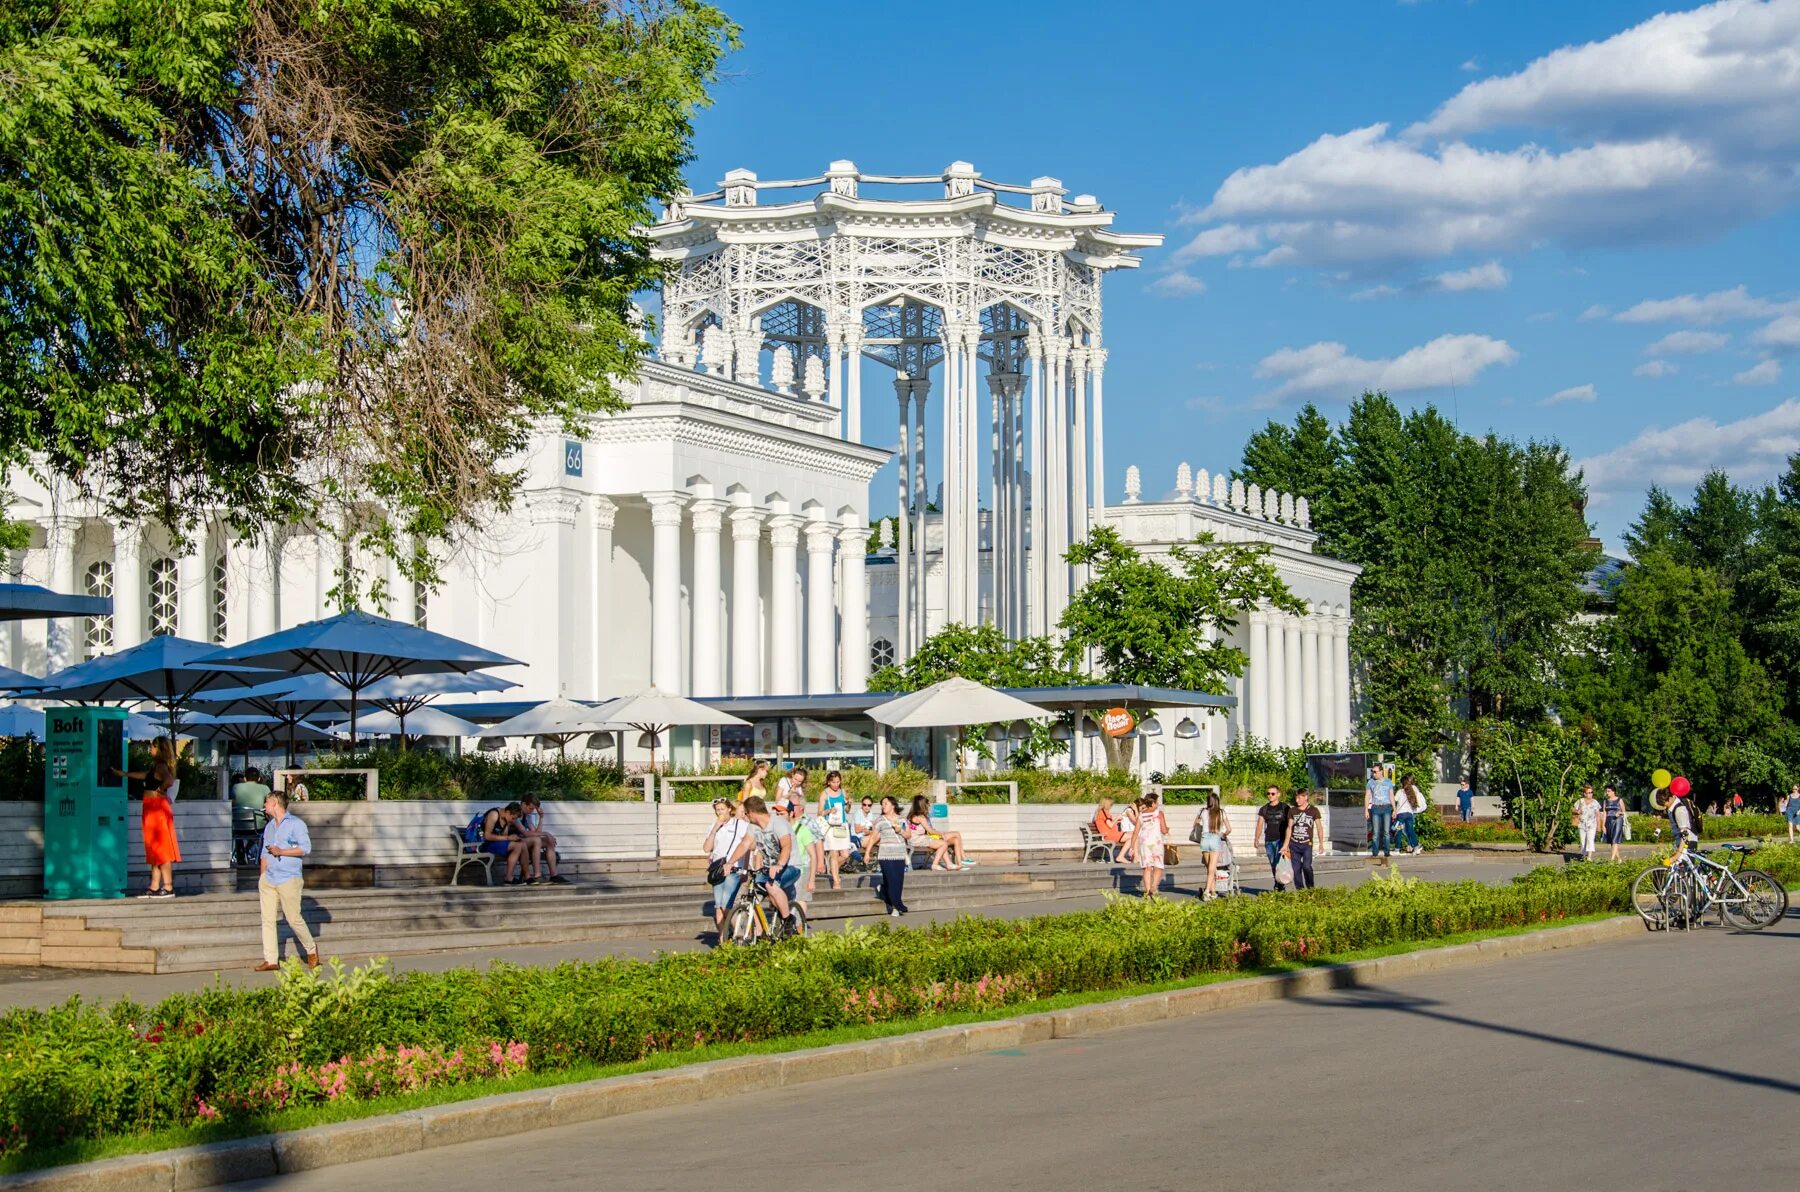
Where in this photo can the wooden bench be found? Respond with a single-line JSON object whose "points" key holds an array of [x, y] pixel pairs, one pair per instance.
{"points": [[471, 853]]}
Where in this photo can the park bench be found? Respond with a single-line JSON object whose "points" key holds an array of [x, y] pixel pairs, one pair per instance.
{"points": [[1095, 847], [471, 853]]}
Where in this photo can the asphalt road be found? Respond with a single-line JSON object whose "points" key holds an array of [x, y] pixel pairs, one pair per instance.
{"points": [[1657, 1062]]}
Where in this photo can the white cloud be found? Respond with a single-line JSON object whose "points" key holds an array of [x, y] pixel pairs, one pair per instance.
{"points": [[1783, 334], [1572, 393], [1720, 306], [1766, 373], [1472, 65], [1753, 450], [1688, 343], [1595, 311], [1177, 285], [1655, 368], [1382, 291], [1676, 130], [1491, 276], [1217, 242], [1329, 368]]}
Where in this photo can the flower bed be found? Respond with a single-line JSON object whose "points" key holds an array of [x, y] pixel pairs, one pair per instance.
{"points": [[222, 1056]]}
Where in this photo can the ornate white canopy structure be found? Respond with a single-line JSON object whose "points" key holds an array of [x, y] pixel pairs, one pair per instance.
{"points": [[951, 272]]}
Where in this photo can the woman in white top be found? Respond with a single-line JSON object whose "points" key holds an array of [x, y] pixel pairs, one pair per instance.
{"points": [[728, 831]]}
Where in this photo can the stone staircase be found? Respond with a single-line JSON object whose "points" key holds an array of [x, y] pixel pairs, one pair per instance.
{"points": [[201, 933]]}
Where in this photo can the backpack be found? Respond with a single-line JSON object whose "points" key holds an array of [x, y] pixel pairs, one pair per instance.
{"points": [[472, 834]]}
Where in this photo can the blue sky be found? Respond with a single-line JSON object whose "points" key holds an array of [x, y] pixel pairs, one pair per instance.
{"points": [[1552, 220]]}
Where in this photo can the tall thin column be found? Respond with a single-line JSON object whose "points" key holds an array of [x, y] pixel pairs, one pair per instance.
{"points": [[708, 665], [853, 542], [821, 658], [997, 508], [128, 588], [834, 347], [950, 451], [665, 590], [972, 393], [1038, 568], [603, 514], [1328, 683], [1019, 561], [59, 540], [1097, 359], [784, 607], [903, 614], [1260, 678], [403, 603], [853, 382], [261, 588], [1056, 487], [1310, 677], [921, 517], [551, 655], [1078, 498], [1275, 695], [1293, 682], [746, 601], [1340, 640], [191, 612]]}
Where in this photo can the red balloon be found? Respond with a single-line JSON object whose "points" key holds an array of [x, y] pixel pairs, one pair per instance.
{"points": [[1679, 786]]}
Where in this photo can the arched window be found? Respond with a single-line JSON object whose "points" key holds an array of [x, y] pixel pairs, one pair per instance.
{"points": [[881, 653], [421, 598], [99, 582], [221, 610], [163, 597]]}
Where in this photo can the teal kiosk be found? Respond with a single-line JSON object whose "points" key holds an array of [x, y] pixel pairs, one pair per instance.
{"points": [[86, 832]]}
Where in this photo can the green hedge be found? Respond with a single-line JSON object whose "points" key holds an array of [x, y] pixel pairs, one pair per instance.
{"points": [[1712, 827], [230, 1056], [427, 774]]}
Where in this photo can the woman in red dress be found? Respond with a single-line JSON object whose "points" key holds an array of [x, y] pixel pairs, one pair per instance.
{"points": [[161, 849]]}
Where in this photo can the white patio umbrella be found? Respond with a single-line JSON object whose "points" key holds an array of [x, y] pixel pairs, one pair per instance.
{"points": [[954, 703], [424, 722], [562, 720], [653, 713]]}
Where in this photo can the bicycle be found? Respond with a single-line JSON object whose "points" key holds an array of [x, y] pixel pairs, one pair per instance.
{"points": [[754, 917], [1681, 894]]}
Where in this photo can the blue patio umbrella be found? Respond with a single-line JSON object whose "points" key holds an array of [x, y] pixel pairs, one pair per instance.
{"points": [[18, 680], [167, 671], [358, 650], [29, 602], [17, 721], [293, 701]]}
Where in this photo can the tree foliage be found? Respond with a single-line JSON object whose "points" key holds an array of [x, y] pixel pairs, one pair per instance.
{"points": [[1540, 769], [1473, 551], [269, 255]]}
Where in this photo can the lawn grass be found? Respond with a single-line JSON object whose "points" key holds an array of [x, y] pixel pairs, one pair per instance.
{"points": [[302, 1117]]}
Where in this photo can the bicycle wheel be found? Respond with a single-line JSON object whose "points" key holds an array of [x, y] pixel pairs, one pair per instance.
{"points": [[798, 925], [742, 924], [1764, 901], [1647, 897], [1679, 900]]}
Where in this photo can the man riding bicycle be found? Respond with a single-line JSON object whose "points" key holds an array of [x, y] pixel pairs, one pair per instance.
{"points": [[772, 839]]}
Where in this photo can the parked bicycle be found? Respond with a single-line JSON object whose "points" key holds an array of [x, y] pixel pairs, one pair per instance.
{"points": [[754, 917], [1680, 895]]}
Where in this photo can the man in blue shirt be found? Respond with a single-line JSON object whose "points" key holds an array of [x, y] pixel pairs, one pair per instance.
{"points": [[1465, 801], [285, 842], [1378, 812]]}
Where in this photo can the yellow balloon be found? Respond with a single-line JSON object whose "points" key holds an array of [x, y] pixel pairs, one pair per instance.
{"points": [[1661, 779]]}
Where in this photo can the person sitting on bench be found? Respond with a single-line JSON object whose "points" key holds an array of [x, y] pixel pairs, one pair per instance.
{"points": [[493, 831], [530, 827]]}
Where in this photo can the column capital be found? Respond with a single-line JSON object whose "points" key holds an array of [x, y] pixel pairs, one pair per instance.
{"points": [[784, 529], [128, 537], [1097, 358], [665, 507], [746, 523], [1079, 355], [552, 506], [605, 511], [59, 530], [1057, 347], [708, 514], [854, 538], [819, 536], [1034, 341]]}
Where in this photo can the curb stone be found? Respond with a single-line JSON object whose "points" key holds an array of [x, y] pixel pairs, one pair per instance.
{"points": [[514, 1113]]}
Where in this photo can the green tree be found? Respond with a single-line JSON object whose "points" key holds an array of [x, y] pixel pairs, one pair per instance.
{"points": [[295, 256], [1539, 768], [1165, 623]]}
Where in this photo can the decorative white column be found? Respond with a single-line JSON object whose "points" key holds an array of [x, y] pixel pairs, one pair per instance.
{"points": [[853, 381], [665, 590], [707, 648], [1078, 481], [950, 503], [1310, 676], [1291, 675], [403, 604], [191, 611], [1340, 640], [821, 658], [59, 637], [746, 601], [128, 588], [970, 340], [1056, 483], [604, 515], [1097, 357], [784, 610], [853, 538], [921, 517], [1272, 698], [552, 512], [834, 347], [1328, 683], [1037, 567], [1260, 677], [903, 542]]}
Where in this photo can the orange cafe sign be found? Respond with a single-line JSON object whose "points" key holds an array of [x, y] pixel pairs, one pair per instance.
{"points": [[1117, 722]]}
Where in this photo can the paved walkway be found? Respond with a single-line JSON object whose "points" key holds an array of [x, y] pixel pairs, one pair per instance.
{"points": [[51, 986], [1659, 1062]]}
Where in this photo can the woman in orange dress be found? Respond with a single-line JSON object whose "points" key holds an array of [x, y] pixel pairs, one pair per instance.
{"points": [[161, 849]]}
